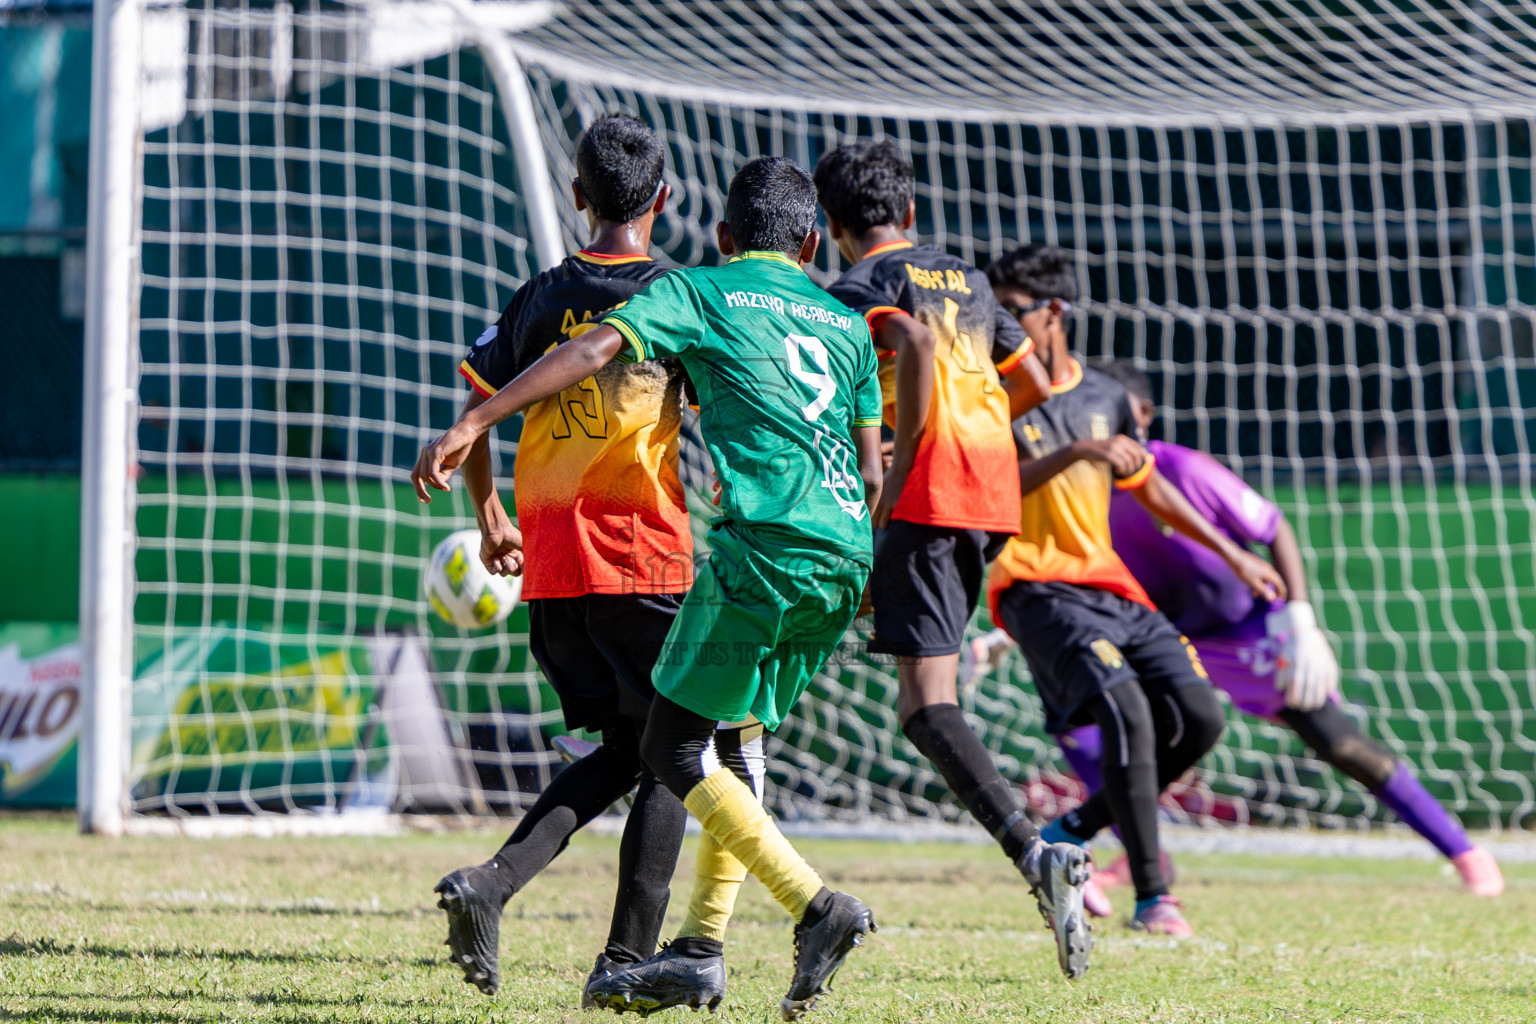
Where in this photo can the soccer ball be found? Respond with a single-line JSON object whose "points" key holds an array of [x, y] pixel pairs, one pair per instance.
{"points": [[461, 590]]}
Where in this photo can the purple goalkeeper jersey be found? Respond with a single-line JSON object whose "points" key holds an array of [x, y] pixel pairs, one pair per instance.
{"points": [[1187, 581]]}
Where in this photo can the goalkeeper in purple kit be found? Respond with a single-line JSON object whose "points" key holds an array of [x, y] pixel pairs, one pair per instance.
{"points": [[1270, 657]]}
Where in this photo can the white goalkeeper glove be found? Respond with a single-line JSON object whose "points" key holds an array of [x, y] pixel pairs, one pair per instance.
{"points": [[982, 655], [1307, 670]]}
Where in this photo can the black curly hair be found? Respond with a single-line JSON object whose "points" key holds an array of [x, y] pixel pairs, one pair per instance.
{"points": [[771, 206], [1039, 271], [619, 162], [865, 185]]}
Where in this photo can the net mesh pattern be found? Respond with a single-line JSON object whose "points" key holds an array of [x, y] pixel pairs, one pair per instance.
{"points": [[322, 227], [1311, 225], [1097, 62]]}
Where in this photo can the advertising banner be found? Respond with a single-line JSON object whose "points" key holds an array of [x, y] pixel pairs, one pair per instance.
{"points": [[39, 713], [233, 718], [261, 719]]}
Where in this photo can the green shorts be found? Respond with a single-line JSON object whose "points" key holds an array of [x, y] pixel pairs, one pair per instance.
{"points": [[763, 617]]}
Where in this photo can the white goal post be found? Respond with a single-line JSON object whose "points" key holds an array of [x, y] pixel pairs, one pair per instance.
{"points": [[106, 496], [121, 64], [1311, 226]]}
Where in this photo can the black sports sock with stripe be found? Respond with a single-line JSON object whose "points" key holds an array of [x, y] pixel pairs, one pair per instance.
{"points": [[648, 852], [942, 734]]}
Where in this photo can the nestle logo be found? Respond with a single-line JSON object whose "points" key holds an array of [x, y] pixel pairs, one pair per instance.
{"points": [[53, 672]]}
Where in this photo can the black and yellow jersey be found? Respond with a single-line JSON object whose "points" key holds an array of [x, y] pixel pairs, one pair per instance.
{"points": [[598, 497], [965, 475], [1063, 531]]}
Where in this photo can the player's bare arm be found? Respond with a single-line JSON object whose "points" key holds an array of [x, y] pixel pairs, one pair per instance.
{"points": [[1285, 553], [913, 344], [1027, 385], [569, 364], [501, 542], [874, 464], [1169, 505], [871, 464], [1122, 453]]}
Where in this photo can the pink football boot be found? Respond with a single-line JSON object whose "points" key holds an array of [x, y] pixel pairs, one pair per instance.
{"points": [[1480, 874], [1094, 901], [1162, 916]]}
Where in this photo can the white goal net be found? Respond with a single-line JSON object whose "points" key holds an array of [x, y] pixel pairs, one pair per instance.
{"points": [[1311, 224]]}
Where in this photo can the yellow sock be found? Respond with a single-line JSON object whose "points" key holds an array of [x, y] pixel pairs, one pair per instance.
{"points": [[731, 814], [717, 878]]}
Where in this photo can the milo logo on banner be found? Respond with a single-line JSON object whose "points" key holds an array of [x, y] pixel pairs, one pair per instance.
{"points": [[299, 708], [216, 711], [39, 713], [225, 712]]}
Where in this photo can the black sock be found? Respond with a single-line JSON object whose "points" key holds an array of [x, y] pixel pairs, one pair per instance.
{"points": [[818, 907], [1129, 796], [674, 745], [1132, 792], [1189, 722], [1091, 817], [696, 947], [574, 797], [1085, 829], [647, 856], [1185, 722], [941, 733]]}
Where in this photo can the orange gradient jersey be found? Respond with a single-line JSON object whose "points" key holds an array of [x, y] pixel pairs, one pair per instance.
{"points": [[598, 497], [965, 475], [1063, 534]]}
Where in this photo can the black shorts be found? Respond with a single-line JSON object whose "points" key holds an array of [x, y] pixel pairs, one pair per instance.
{"points": [[924, 586], [597, 651], [1081, 642]]}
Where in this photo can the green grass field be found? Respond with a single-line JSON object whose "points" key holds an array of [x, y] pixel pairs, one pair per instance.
{"points": [[345, 930]]}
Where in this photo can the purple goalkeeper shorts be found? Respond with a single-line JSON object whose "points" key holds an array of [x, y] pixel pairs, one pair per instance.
{"points": [[1242, 664]]}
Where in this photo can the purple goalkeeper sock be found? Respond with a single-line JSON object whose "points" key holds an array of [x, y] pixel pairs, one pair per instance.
{"points": [[1411, 802], [1084, 749]]}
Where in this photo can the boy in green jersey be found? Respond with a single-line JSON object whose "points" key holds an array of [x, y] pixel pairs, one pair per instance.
{"points": [[790, 408]]}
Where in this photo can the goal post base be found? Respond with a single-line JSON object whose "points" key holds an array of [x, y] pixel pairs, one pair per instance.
{"points": [[266, 826]]}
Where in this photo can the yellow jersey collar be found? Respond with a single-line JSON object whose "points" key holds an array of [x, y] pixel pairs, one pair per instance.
{"points": [[763, 254]]}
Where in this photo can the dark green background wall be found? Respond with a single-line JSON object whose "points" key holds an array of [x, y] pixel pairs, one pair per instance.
{"points": [[40, 550]]}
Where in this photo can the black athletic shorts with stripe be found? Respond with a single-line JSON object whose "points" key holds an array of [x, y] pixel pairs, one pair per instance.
{"points": [[1082, 642]]}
